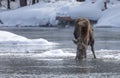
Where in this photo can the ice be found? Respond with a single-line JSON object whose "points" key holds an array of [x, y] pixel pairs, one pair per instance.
{"points": [[10, 42], [7, 36], [57, 53], [107, 55]]}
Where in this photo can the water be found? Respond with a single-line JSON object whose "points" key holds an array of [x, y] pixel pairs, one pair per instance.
{"points": [[58, 61]]}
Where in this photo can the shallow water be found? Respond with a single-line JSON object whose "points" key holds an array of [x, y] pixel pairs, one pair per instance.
{"points": [[58, 60]]}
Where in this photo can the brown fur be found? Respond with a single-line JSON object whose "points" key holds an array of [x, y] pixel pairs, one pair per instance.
{"points": [[83, 34]]}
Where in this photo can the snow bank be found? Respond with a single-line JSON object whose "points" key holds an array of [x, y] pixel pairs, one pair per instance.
{"points": [[10, 37], [87, 9], [27, 16], [34, 15], [45, 13], [110, 17], [7, 36], [10, 42]]}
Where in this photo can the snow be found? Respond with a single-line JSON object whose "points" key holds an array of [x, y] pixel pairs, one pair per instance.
{"points": [[7, 36], [26, 17], [87, 10], [45, 13], [35, 15], [10, 42], [110, 18], [108, 55], [57, 53], [104, 54]]}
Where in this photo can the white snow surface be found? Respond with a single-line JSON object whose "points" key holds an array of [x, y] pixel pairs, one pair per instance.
{"points": [[10, 42], [8, 36], [110, 17], [88, 10], [45, 13], [34, 15]]}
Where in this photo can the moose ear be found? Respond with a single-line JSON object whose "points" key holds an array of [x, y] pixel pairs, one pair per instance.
{"points": [[75, 41]]}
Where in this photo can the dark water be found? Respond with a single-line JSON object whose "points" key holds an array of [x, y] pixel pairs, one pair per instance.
{"points": [[32, 65]]}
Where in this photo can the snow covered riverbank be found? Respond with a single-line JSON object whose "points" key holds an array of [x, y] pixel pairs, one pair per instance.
{"points": [[110, 17], [35, 15], [45, 13]]}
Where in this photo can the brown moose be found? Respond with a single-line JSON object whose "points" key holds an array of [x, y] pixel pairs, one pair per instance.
{"points": [[83, 34]]}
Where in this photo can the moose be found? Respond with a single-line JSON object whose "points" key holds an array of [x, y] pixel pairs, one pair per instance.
{"points": [[83, 34]]}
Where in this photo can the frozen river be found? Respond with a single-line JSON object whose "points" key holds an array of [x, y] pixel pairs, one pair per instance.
{"points": [[58, 61]]}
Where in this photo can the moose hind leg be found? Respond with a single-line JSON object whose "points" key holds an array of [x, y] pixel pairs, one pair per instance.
{"points": [[92, 49]]}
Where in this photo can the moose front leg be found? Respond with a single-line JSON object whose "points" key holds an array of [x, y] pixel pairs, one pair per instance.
{"points": [[85, 54], [81, 50], [79, 55]]}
